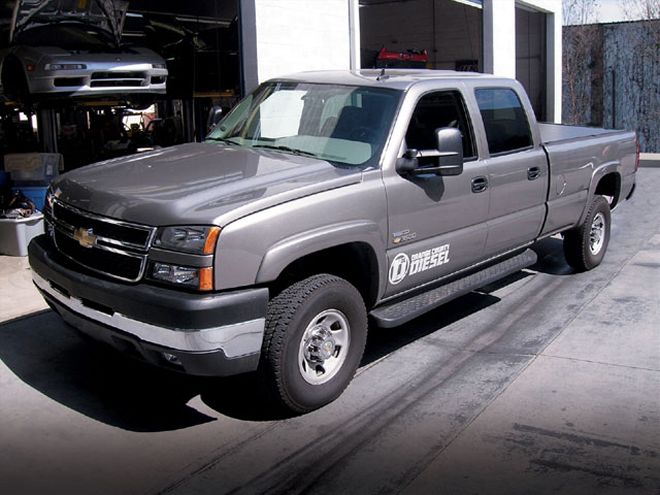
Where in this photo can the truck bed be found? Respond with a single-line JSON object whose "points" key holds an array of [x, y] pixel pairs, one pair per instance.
{"points": [[553, 133], [574, 154]]}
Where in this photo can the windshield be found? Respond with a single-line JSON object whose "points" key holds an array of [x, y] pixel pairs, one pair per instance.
{"points": [[345, 125]]}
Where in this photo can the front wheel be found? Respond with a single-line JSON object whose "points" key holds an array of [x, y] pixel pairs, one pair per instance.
{"points": [[316, 330], [585, 245]]}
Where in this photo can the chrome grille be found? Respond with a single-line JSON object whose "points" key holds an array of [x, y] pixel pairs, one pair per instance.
{"points": [[112, 247]]}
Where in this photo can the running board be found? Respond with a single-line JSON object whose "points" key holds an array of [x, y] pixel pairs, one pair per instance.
{"points": [[400, 312]]}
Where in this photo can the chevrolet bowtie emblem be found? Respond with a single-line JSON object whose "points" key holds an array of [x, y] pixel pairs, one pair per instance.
{"points": [[85, 237]]}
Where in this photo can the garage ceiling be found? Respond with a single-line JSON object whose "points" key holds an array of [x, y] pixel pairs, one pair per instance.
{"points": [[223, 10], [475, 3]]}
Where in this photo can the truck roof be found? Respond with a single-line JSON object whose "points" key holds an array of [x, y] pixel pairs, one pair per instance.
{"points": [[400, 79]]}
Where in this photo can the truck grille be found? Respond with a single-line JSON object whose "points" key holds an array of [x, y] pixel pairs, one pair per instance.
{"points": [[123, 234], [116, 79], [110, 263], [114, 248]]}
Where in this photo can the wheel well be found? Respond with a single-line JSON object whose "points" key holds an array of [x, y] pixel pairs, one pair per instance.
{"points": [[610, 185], [354, 262]]}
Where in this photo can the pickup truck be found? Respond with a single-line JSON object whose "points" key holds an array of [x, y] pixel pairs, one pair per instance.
{"points": [[321, 202]]}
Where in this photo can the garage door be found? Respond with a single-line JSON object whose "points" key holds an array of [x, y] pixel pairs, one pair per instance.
{"points": [[531, 57]]}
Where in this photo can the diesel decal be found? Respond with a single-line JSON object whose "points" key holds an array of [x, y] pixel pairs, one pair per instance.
{"points": [[403, 265], [428, 259], [399, 268]]}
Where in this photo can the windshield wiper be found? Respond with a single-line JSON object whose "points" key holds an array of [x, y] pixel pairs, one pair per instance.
{"points": [[221, 140], [286, 148]]}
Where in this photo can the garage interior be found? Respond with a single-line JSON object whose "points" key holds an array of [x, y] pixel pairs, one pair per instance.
{"points": [[531, 58], [200, 43], [450, 32]]}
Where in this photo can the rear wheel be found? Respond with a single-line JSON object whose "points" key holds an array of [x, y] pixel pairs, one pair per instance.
{"points": [[316, 330], [585, 246]]}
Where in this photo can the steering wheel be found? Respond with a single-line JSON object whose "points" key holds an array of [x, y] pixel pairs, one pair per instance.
{"points": [[362, 133]]}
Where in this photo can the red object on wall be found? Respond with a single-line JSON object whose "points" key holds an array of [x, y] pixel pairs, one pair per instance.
{"points": [[409, 58]]}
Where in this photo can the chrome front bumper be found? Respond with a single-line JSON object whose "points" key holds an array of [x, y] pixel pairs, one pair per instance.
{"points": [[200, 334], [234, 340]]}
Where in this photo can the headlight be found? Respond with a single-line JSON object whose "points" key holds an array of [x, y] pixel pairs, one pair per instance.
{"points": [[159, 66], [65, 66], [194, 240], [187, 276]]}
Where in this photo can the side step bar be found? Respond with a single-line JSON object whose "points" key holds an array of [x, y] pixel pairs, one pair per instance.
{"points": [[397, 313]]}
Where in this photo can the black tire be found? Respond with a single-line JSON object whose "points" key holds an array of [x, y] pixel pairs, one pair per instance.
{"points": [[291, 316], [582, 251]]}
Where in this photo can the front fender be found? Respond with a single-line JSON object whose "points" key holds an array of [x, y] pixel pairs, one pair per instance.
{"points": [[256, 248], [286, 251]]}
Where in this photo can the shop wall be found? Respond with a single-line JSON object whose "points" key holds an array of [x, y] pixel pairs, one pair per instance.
{"points": [[284, 36]]}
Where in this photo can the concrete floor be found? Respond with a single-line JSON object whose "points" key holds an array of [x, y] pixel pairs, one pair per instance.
{"points": [[548, 382], [18, 297]]}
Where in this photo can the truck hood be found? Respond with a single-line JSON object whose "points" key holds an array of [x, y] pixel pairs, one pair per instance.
{"points": [[197, 184]]}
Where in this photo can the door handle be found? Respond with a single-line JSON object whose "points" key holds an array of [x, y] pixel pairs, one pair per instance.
{"points": [[479, 184], [533, 173]]}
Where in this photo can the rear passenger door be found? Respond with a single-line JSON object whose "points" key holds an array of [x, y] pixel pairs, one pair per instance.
{"points": [[517, 171]]}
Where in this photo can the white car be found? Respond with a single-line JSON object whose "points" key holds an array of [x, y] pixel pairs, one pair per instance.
{"points": [[73, 48]]}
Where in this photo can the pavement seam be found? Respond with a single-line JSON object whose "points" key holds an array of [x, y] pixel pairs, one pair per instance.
{"points": [[626, 366], [18, 318]]}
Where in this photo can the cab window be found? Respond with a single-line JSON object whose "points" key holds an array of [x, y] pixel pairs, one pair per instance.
{"points": [[505, 120], [435, 111]]}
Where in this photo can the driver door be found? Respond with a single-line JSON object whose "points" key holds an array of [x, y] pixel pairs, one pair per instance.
{"points": [[437, 224]]}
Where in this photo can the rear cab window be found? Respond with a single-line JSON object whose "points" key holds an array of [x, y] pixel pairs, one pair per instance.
{"points": [[505, 120]]}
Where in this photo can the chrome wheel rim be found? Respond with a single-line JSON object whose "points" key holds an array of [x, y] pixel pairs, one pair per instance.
{"points": [[597, 234], [324, 346]]}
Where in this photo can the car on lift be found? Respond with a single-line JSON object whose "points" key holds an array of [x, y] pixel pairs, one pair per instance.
{"points": [[61, 48]]}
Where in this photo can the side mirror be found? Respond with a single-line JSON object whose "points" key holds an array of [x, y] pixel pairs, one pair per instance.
{"points": [[450, 148], [449, 155], [407, 164], [215, 115]]}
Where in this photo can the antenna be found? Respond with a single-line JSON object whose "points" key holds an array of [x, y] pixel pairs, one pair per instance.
{"points": [[382, 76]]}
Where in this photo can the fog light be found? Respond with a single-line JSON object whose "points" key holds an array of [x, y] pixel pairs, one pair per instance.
{"points": [[174, 274], [187, 276]]}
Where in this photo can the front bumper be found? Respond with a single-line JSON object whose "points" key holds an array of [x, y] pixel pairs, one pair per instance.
{"points": [[83, 82], [199, 334]]}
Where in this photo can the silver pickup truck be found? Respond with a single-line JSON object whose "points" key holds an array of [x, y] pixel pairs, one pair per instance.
{"points": [[321, 199]]}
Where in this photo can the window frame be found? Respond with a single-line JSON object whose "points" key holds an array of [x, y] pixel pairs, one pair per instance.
{"points": [[483, 124], [466, 112]]}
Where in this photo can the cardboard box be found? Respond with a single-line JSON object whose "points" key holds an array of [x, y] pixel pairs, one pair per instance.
{"points": [[33, 166], [16, 233]]}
